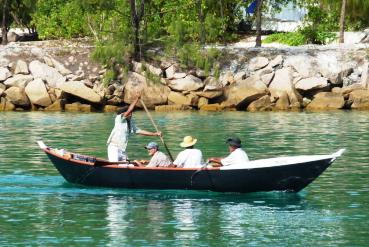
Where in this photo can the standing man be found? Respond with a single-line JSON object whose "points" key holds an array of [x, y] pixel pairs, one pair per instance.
{"points": [[237, 156], [124, 127]]}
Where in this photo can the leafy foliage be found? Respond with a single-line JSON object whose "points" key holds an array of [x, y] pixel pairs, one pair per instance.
{"points": [[292, 39], [59, 19]]}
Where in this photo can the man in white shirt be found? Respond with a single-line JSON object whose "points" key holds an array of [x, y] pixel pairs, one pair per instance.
{"points": [[190, 157], [237, 156], [158, 159], [124, 127]]}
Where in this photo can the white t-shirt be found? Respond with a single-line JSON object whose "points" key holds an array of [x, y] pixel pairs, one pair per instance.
{"points": [[237, 157], [189, 158], [120, 133]]}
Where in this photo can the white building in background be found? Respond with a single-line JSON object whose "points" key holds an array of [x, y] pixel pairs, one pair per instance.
{"points": [[287, 20]]}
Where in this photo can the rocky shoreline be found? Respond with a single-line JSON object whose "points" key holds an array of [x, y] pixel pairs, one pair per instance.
{"points": [[61, 77]]}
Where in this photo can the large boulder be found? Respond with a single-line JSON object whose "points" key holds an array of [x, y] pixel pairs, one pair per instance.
{"points": [[18, 81], [154, 70], [327, 101], [283, 103], [21, 67], [79, 89], [311, 83], [171, 71], [6, 105], [359, 99], [212, 107], [166, 108], [176, 98], [211, 84], [283, 83], [303, 64], [258, 63], [152, 93], [262, 104], [13, 37], [47, 73], [37, 93], [78, 107], [56, 106], [277, 61], [2, 89], [189, 83], [331, 66], [242, 93], [4, 74], [17, 96], [365, 76], [209, 94], [60, 67]]}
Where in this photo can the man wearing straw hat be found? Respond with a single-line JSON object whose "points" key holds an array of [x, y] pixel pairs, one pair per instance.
{"points": [[190, 157]]}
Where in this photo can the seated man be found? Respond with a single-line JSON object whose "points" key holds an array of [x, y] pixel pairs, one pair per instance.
{"points": [[158, 159], [190, 157], [237, 156]]}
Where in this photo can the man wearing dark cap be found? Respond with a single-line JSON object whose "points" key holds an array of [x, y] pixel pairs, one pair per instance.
{"points": [[237, 156]]}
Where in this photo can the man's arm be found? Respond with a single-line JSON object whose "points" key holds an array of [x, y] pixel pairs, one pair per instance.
{"points": [[132, 106], [148, 133], [216, 162]]}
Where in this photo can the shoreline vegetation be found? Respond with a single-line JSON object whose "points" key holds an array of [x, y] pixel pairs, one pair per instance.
{"points": [[38, 76], [170, 51]]}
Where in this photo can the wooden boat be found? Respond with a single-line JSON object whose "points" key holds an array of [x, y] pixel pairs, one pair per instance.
{"points": [[276, 174]]}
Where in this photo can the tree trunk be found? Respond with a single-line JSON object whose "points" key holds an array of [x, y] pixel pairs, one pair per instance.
{"points": [[136, 19], [258, 22], [4, 29], [342, 21], [202, 24]]}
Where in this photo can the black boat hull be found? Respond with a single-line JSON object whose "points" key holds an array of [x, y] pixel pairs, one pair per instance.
{"points": [[292, 177]]}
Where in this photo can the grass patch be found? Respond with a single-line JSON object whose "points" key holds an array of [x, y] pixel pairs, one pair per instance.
{"points": [[291, 39]]}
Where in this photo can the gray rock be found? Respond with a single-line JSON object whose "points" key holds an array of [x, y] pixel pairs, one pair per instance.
{"points": [[37, 93], [17, 96], [311, 83], [283, 83], [152, 93], [4, 74], [303, 64], [18, 81], [79, 89], [258, 63], [242, 93], [331, 66], [326, 101], [212, 83], [277, 61], [47, 73], [21, 67], [189, 83], [2, 89], [13, 37]]}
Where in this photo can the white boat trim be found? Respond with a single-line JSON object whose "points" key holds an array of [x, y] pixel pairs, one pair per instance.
{"points": [[283, 161]]}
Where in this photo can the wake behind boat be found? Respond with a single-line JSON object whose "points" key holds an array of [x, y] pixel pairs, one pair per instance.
{"points": [[275, 174]]}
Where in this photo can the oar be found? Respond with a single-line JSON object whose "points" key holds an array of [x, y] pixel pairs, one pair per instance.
{"points": [[156, 128]]}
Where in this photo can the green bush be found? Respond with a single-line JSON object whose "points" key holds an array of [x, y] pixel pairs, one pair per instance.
{"points": [[59, 19], [292, 39]]}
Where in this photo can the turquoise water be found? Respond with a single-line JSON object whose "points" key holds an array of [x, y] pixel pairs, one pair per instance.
{"points": [[38, 208]]}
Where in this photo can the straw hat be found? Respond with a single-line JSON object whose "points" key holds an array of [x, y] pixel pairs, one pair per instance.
{"points": [[188, 141]]}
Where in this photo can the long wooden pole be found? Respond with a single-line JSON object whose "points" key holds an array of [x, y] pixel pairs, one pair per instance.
{"points": [[157, 130]]}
